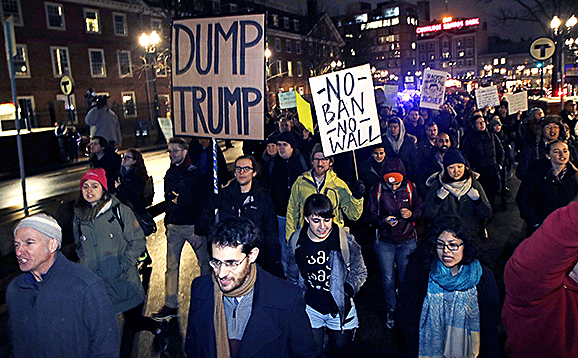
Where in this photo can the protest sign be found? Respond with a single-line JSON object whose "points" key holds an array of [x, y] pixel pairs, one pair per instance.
{"points": [[304, 112], [287, 100], [433, 89], [346, 111], [517, 102], [166, 127], [219, 77], [487, 96], [390, 94]]}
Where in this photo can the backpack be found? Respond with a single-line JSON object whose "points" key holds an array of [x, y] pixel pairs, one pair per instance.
{"points": [[145, 221], [148, 191]]}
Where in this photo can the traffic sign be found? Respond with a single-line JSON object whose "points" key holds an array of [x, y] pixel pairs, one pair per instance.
{"points": [[66, 85], [542, 49]]}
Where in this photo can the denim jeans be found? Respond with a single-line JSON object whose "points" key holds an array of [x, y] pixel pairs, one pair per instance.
{"points": [[387, 254]]}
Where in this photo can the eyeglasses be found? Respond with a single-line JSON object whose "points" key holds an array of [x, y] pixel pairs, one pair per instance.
{"points": [[322, 160], [174, 151], [230, 265], [127, 157], [452, 246], [243, 169]]}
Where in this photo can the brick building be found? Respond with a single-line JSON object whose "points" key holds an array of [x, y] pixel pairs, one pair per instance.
{"points": [[96, 43]]}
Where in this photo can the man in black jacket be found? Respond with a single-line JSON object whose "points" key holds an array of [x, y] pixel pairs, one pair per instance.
{"points": [[104, 157], [243, 197], [187, 191]]}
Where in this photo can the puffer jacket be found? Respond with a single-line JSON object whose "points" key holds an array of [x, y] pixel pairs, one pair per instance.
{"points": [[112, 252], [333, 187], [346, 266]]}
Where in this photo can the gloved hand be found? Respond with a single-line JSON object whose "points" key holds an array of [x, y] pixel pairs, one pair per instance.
{"points": [[442, 193], [358, 189]]}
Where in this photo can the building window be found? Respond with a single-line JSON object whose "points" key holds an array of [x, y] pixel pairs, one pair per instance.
{"points": [[469, 62], [286, 22], [296, 25], [460, 43], [461, 54], [275, 20], [298, 47], [54, 16], [124, 63], [21, 61], [470, 52], [496, 61], [12, 8], [503, 61], [446, 55], [290, 68], [157, 25], [431, 46], [60, 61], [119, 23], [92, 20], [460, 63], [299, 69], [277, 44], [128, 104], [288, 46], [279, 68], [432, 56], [469, 41], [422, 47], [97, 65], [301, 91]]}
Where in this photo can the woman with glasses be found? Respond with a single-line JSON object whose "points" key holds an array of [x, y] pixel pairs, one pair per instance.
{"points": [[108, 242], [448, 305], [130, 184], [326, 262]]}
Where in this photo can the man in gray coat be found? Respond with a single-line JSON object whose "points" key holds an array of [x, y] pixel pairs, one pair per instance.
{"points": [[103, 122], [56, 308]]}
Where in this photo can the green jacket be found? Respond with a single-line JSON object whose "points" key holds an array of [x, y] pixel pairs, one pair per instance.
{"points": [[333, 187], [111, 253]]}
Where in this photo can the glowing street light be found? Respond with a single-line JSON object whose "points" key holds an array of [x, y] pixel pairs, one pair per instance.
{"points": [[267, 53]]}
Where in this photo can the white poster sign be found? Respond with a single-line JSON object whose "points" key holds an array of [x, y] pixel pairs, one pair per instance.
{"points": [[390, 93], [518, 102], [287, 100], [487, 96], [433, 89], [166, 127], [346, 111], [219, 77]]}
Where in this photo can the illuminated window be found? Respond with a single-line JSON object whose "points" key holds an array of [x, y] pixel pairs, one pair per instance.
{"points": [[394, 21], [461, 54], [54, 16], [496, 61], [279, 67], [92, 20], [275, 20], [21, 61], [446, 55], [502, 61], [97, 65], [124, 63], [290, 68], [288, 46], [432, 56], [12, 8], [301, 91], [60, 61], [119, 24], [128, 104], [413, 46]]}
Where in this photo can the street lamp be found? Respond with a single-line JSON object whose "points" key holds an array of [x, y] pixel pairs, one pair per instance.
{"points": [[559, 36], [149, 43]]}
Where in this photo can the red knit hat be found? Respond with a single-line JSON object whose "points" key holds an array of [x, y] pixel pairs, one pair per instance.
{"points": [[97, 174], [393, 178]]}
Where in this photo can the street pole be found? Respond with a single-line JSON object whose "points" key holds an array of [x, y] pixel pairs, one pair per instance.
{"points": [[156, 95], [542, 78], [8, 28]]}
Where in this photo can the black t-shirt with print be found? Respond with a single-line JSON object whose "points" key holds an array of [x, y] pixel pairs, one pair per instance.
{"points": [[313, 261]]}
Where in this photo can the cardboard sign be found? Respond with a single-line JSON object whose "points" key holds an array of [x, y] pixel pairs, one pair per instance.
{"points": [[517, 102], [219, 77], [487, 96], [433, 89], [287, 100], [346, 111]]}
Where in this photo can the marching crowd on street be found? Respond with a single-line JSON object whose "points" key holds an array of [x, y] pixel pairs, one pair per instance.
{"points": [[280, 246]]}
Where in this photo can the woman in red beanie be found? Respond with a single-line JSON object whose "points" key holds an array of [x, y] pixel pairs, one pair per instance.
{"points": [[108, 242]]}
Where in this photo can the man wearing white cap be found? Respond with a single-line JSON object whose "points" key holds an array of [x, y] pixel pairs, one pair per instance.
{"points": [[56, 308]]}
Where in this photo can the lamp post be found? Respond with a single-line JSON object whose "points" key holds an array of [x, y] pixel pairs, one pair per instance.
{"points": [[559, 36], [149, 43]]}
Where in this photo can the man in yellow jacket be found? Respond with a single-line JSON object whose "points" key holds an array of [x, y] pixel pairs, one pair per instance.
{"points": [[321, 179]]}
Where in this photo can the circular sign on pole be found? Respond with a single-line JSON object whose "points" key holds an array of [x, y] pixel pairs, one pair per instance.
{"points": [[542, 49], [66, 85]]}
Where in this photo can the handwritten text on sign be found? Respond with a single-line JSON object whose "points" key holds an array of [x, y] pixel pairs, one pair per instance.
{"points": [[433, 89], [487, 96], [218, 77], [518, 102], [346, 111]]}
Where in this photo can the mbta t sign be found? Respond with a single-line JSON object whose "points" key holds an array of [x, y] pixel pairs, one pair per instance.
{"points": [[542, 49], [66, 85]]}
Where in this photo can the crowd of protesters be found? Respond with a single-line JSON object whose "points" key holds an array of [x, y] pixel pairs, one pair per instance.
{"points": [[281, 247]]}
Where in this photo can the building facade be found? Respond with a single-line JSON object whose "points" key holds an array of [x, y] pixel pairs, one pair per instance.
{"points": [[94, 42]]}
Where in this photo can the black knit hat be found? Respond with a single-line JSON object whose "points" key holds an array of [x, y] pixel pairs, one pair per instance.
{"points": [[453, 157], [287, 137]]}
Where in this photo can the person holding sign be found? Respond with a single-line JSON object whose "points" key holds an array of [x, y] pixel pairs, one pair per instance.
{"points": [[399, 145], [322, 179]]}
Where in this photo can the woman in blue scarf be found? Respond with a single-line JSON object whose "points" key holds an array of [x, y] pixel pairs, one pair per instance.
{"points": [[448, 305]]}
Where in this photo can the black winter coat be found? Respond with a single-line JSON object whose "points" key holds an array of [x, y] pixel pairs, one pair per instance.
{"points": [[130, 191], [407, 153], [279, 178], [110, 162], [257, 206], [412, 294], [187, 191], [484, 151]]}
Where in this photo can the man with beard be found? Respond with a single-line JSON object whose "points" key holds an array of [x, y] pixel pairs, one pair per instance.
{"points": [[426, 145], [433, 162], [241, 310]]}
